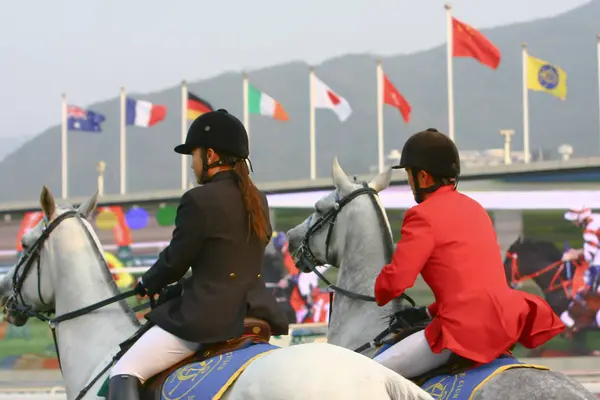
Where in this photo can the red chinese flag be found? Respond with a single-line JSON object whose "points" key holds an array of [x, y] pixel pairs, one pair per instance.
{"points": [[469, 42], [392, 97]]}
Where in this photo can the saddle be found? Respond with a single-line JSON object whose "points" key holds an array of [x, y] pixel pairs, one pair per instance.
{"points": [[455, 365], [255, 331]]}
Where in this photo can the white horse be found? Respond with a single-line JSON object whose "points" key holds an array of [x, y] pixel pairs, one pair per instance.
{"points": [[68, 272], [355, 244]]}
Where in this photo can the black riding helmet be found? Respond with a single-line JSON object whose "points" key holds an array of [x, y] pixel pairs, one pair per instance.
{"points": [[433, 152], [220, 131]]}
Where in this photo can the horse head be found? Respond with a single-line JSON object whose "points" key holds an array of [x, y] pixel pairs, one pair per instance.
{"points": [[315, 241], [28, 289]]}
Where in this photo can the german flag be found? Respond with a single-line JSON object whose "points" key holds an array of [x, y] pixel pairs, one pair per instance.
{"points": [[197, 106]]}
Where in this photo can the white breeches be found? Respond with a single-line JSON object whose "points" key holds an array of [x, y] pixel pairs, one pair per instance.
{"points": [[300, 314], [412, 356], [154, 352], [565, 317]]}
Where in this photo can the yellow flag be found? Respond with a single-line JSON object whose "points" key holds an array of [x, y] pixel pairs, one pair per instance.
{"points": [[545, 77]]}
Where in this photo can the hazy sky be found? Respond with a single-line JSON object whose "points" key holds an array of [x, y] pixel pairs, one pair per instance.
{"points": [[89, 48]]}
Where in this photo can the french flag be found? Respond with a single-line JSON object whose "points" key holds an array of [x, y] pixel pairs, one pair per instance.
{"points": [[143, 113]]}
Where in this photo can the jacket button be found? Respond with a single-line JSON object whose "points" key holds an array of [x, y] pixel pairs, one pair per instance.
{"points": [[232, 275], [258, 276]]}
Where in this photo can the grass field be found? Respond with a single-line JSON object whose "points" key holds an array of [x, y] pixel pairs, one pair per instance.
{"points": [[541, 225]]}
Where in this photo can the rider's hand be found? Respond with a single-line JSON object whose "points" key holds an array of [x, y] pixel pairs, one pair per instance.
{"points": [[169, 293], [570, 255], [140, 289], [410, 316]]}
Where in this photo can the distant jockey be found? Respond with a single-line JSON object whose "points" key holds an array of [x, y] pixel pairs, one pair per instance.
{"points": [[583, 218], [306, 285], [303, 296]]}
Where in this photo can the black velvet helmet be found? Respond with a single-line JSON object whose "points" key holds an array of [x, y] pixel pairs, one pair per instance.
{"points": [[433, 152], [219, 131]]}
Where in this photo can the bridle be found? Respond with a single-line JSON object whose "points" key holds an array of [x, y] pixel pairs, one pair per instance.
{"points": [[327, 220], [17, 305], [31, 256], [557, 281]]}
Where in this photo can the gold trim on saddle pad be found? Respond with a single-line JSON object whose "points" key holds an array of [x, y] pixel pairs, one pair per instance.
{"points": [[501, 369], [237, 373]]}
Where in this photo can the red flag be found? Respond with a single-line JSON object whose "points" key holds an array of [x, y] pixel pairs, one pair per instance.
{"points": [[469, 42], [30, 219], [392, 97], [121, 231]]}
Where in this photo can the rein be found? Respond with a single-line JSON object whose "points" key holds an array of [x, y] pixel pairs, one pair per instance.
{"points": [[16, 303], [557, 282], [327, 220]]}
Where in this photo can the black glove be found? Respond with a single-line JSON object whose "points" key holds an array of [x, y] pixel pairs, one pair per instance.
{"points": [[169, 293], [409, 317], [140, 289]]}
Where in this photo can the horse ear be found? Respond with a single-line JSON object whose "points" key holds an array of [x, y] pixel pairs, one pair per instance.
{"points": [[381, 181], [520, 239], [47, 202], [340, 179], [88, 206]]}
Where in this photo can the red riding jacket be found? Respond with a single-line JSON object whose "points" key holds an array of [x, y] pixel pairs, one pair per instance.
{"points": [[450, 239]]}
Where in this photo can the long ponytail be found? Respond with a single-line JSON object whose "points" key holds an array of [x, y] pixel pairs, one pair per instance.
{"points": [[253, 202]]}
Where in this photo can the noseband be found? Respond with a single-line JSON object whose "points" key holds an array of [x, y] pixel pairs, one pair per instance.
{"points": [[328, 220], [31, 256]]}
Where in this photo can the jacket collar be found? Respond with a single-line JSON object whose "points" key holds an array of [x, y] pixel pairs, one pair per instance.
{"points": [[443, 189], [223, 175]]}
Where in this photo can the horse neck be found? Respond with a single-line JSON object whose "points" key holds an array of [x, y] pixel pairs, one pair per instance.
{"points": [[81, 279], [531, 262], [356, 322]]}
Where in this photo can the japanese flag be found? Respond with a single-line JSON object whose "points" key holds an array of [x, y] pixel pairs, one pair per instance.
{"points": [[324, 97]]}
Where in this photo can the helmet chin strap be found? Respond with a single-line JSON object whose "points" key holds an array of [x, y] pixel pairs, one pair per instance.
{"points": [[206, 166], [419, 191]]}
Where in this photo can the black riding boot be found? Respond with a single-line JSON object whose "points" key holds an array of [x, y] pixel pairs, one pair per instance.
{"points": [[124, 387]]}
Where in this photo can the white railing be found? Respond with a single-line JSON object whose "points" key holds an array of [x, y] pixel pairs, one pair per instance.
{"points": [[124, 270], [134, 246]]}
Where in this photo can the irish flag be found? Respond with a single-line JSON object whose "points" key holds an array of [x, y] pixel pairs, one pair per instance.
{"points": [[263, 104]]}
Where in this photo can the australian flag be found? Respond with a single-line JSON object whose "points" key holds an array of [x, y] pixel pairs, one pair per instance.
{"points": [[79, 119]]}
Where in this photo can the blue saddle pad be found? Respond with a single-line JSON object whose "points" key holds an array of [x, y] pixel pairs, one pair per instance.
{"points": [[462, 386], [209, 379]]}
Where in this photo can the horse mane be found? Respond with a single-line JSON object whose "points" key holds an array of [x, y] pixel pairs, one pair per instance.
{"points": [[107, 275], [545, 247]]}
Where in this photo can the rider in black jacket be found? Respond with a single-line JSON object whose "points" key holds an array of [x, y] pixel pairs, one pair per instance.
{"points": [[221, 230]]}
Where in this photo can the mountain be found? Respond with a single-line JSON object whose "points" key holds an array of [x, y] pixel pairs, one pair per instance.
{"points": [[12, 143], [485, 102]]}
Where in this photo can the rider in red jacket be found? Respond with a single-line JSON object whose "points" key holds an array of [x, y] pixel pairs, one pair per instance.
{"points": [[449, 239]]}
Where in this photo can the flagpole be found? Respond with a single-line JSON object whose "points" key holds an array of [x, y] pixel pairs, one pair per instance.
{"points": [[380, 137], [63, 147], [184, 96], [525, 105], [246, 111], [598, 54], [449, 54], [313, 158], [123, 144]]}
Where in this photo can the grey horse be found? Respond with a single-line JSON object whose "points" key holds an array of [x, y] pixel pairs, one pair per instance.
{"points": [[359, 242]]}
